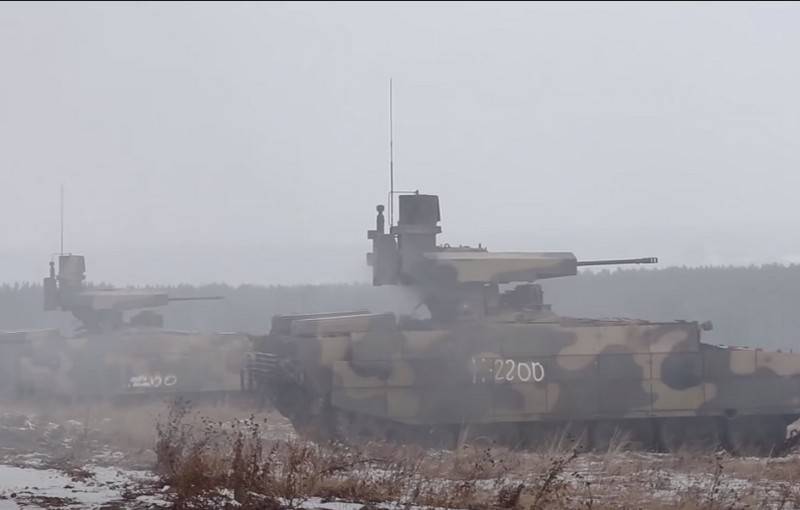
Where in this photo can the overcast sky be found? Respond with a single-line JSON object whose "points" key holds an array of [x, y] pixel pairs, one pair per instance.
{"points": [[249, 142]]}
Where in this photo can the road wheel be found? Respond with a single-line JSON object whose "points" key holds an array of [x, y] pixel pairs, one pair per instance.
{"points": [[758, 436], [695, 434]]}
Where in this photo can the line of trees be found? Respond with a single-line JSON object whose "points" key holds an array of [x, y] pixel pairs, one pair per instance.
{"points": [[755, 306]]}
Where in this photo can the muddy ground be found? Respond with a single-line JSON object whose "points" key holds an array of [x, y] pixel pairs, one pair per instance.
{"points": [[104, 456]]}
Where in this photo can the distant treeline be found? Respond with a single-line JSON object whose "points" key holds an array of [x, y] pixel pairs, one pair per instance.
{"points": [[756, 306]]}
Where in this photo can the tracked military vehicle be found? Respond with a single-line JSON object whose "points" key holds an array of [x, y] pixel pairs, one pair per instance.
{"points": [[492, 360], [120, 349]]}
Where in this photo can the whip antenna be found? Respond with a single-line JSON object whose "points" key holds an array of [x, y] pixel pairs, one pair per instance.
{"points": [[62, 219], [391, 160]]}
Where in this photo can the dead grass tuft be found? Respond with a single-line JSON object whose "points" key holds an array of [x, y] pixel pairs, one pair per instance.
{"points": [[214, 463], [203, 463]]}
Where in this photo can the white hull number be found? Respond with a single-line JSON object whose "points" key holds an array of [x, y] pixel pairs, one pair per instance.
{"points": [[499, 370], [152, 381]]}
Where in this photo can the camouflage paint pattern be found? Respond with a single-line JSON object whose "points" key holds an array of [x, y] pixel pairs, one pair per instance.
{"points": [[482, 266], [494, 356], [112, 356], [126, 362], [522, 370]]}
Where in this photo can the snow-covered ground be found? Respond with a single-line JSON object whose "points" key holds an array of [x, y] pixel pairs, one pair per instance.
{"points": [[86, 456], [32, 487], [102, 457]]}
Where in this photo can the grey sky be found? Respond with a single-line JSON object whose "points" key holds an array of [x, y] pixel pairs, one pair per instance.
{"points": [[248, 142]]}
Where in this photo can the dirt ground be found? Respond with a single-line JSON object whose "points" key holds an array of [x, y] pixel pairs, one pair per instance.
{"points": [[92, 455], [105, 456]]}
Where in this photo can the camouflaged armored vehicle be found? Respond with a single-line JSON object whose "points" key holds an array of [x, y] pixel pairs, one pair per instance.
{"points": [[493, 360], [112, 355]]}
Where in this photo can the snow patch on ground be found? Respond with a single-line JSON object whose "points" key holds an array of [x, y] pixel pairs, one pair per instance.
{"points": [[30, 487]]}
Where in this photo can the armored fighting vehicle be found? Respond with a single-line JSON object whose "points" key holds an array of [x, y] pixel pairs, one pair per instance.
{"points": [[113, 355], [492, 360]]}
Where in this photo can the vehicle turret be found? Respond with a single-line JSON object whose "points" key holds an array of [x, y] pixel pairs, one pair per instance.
{"points": [[463, 279], [101, 309]]}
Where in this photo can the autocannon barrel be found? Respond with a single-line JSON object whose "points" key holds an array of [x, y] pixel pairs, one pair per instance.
{"points": [[199, 298], [612, 262]]}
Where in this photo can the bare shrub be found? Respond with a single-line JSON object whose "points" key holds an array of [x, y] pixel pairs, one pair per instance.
{"points": [[188, 460], [204, 461], [552, 487], [237, 463]]}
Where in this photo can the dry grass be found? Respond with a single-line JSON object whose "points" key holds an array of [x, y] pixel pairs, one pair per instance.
{"points": [[68, 436], [204, 464], [210, 464], [216, 456]]}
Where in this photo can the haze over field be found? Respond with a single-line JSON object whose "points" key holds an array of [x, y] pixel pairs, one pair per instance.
{"points": [[249, 142]]}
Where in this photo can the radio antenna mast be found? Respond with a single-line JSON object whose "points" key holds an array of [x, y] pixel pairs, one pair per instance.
{"points": [[391, 160], [62, 219]]}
